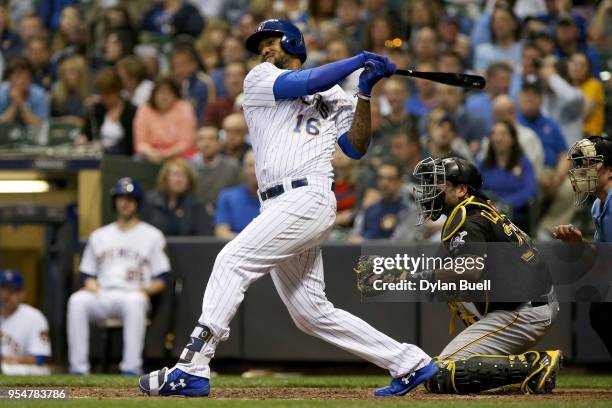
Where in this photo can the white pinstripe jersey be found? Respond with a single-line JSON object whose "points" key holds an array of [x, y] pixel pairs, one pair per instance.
{"points": [[292, 137]]}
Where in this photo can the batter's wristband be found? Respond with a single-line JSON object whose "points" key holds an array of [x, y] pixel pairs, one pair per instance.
{"points": [[363, 96]]}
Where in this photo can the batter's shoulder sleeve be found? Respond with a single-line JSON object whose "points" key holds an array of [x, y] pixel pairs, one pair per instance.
{"points": [[39, 343], [259, 85], [159, 258]]}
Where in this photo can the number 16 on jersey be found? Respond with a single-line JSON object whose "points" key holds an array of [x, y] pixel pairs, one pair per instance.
{"points": [[311, 125]]}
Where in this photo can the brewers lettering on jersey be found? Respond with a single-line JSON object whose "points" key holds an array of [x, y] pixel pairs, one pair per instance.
{"points": [[294, 117]]}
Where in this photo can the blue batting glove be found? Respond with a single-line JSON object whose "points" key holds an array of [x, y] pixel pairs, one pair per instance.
{"points": [[373, 72], [371, 56]]}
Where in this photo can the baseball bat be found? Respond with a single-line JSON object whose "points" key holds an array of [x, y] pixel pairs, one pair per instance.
{"points": [[448, 78]]}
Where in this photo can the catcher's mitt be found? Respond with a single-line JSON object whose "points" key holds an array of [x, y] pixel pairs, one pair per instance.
{"points": [[366, 276]]}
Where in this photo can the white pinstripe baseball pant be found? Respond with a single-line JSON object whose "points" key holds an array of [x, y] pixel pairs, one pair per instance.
{"points": [[284, 240]]}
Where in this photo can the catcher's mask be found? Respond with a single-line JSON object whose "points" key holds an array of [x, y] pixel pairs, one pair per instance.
{"points": [[588, 156], [432, 175]]}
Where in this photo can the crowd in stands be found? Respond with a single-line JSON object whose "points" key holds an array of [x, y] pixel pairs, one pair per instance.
{"points": [[162, 82]]}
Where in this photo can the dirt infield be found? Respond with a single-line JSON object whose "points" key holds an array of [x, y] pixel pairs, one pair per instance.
{"points": [[301, 393]]}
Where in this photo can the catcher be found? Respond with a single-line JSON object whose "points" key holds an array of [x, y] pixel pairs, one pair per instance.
{"points": [[495, 348], [591, 174]]}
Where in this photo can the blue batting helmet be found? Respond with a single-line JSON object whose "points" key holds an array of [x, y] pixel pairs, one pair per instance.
{"points": [[127, 186], [292, 40]]}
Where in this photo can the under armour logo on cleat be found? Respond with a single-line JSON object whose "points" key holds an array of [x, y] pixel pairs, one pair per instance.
{"points": [[406, 380], [181, 384]]}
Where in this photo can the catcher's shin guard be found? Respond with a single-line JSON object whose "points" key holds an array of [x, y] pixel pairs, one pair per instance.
{"points": [[534, 370]]}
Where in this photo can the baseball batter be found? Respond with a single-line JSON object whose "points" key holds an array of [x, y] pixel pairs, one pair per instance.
{"points": [[123, 264], [295, 117]]}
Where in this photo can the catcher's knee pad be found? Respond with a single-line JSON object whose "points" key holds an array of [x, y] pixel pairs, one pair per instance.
{"points": [[481, 372]]}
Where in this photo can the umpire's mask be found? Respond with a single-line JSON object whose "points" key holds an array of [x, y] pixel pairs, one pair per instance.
{"points": [[587, 158]]}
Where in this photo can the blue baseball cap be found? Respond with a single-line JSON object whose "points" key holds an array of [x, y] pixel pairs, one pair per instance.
{"points": [[11, 277]]}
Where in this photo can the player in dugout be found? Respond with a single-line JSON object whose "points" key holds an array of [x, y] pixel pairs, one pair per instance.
{"points": [[503, 324], [24, 330], [124, 264]]}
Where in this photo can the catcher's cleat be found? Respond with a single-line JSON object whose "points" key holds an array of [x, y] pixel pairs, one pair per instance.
{"points": [[403, 385], [172, 381], [543, 378]]}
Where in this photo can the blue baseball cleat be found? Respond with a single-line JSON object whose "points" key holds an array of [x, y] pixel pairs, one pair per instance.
{"points": [[172, 381], [402, 385]]}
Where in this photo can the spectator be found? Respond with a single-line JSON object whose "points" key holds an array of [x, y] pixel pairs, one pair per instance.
{"points": [[350, 22], [235, 130], [423, 100], [396, 94], [545, 41], [600, 29], [238, 206], [137, 86], [37, 52], [421, 14], [452, 42], [443, 140], [406, 152], [562, 102], [232, 51], [215, 171], [505, 45], [377, 150], [69, 92], [503, 110], [508, 174], [558, 206], [559, 10], [109, 122], [379, 31], [119, 44], [124, 264], [480, 104], [25, 330], [174, 207], [71, 36], [210, 44], [379, 220], [22, 102], [185, 69], [166, 126], [51, 12], [107, 20], [481, 30], [450, 61], [579, 70], [568, 43], [32, 27], [531, 62], [10, 44], [218, 110], [345, 177], [426, 46], [20, 9], [470, 127], [174, 17]]}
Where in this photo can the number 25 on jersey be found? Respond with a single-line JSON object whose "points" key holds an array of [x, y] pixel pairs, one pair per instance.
{"points": [[311, 125]]}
